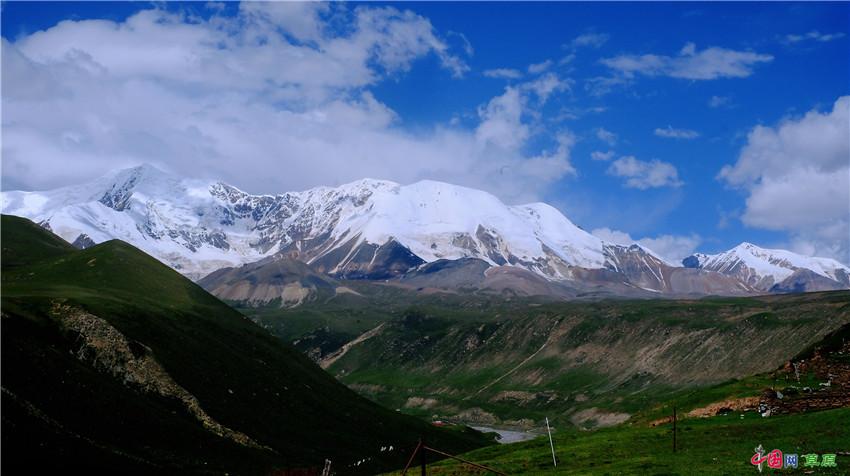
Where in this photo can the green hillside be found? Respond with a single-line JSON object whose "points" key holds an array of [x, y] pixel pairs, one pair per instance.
{"points": [[718, 428], [113, 361], [721, 445], [582, 363]]}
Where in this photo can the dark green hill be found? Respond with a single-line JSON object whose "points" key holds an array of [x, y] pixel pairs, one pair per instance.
{"points": [[112, 361], [27, 242]]}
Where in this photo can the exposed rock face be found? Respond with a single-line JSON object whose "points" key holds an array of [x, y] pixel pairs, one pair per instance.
{"points": [[83, 241], [638, 267], [368, 261], [106, 348], [594, 417], [744, 404]]}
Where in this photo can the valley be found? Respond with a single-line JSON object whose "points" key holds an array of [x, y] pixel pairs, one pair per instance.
{"points": [[584, 364], [717, 428]]}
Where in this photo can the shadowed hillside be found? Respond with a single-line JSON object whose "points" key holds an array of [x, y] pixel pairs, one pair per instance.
{"points": [[114, 362]]}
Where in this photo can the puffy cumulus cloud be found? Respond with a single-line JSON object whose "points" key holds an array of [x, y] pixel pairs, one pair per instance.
{"points": [[710, 63], [672, 248], [503, 73], [797, 175], [501, 121], [670, 133], [274, 98], [644, 175]]}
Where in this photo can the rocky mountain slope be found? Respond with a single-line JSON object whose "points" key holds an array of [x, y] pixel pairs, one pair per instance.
{"points": [[114, 363], [274, 280], [369, 229]]}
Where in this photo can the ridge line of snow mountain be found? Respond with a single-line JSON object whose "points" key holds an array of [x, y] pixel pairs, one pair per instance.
{"points": [[377, 229]]}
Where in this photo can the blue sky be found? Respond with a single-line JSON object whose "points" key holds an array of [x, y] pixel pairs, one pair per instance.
{"points": [[513, 98]]}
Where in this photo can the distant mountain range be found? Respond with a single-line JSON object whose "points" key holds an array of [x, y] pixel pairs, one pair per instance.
{"points": [[423, 235]]}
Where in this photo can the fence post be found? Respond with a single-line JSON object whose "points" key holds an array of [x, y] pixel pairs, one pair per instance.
{"points": [[551, 445], [674, 429], [422, 456]]}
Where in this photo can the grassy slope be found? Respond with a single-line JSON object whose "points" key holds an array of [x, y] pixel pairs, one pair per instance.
{"points": [[64, 411], [719, 445], [335, 320], [621, 356]]}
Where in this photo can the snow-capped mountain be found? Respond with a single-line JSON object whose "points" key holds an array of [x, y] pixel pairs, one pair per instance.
{"points": [[774, 270], [199, 226], [368, 229]]}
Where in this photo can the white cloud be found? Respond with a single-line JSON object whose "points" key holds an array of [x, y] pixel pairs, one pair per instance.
{"points": [[502, 123], [593, 40], [503, 73], [604, 156], [814, 35], [546, 85], [719, 101], [797, 175], [302, 20], [710, 63], [643, 175], [672, 248], [671, 133], [616, 237], [538, 68], [554, 162], [606, 136], [275, 98]]}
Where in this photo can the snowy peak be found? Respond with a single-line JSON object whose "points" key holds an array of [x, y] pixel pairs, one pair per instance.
{"points": [[198, 226], [118, 193], [377, 229], [765, 268]]}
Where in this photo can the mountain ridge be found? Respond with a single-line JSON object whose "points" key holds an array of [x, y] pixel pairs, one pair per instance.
{"points": [[766, 269], [367, 229]]}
